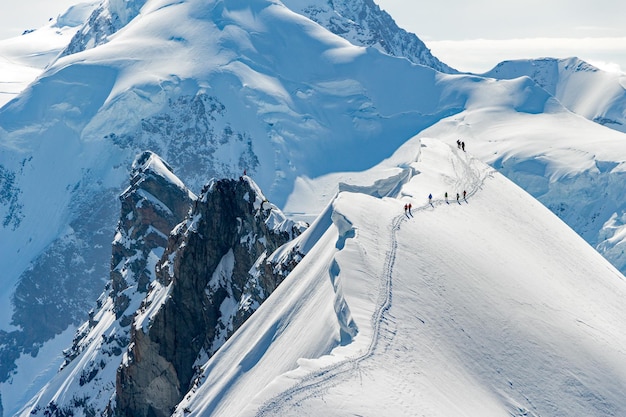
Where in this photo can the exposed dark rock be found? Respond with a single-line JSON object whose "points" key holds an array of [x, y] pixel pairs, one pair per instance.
{"points": [[207, 267], [151, 206], [363, 23]]}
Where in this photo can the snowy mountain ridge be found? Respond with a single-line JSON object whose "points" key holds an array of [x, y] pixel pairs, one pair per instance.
{"points": [[204, 86], [481, 304], [429, 283]]}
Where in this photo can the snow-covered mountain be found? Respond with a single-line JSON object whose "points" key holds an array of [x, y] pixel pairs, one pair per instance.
{"points": [[222, 87], [172, 300], [22, 59], [215, 97], [486, 304], [363, 23], [584, 89]]}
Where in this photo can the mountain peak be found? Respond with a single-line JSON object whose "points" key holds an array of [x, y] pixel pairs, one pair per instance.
{"points": [[584, 89], [108, 18], [363, 23], [213, 275]]}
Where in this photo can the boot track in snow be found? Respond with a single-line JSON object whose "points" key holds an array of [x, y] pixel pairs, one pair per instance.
{"points": [[320, 380], [317, 381]]}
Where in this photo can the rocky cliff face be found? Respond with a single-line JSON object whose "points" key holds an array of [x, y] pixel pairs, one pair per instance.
{"points": [[212, 276], [152, 206], [154, 203], [186, 272], [363, 23]]}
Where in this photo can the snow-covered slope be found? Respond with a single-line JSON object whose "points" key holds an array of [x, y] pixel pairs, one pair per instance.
{"points": [[584, 89], [488, 306], [217, 88], [574, 167], [485, 305], [22, 59]]}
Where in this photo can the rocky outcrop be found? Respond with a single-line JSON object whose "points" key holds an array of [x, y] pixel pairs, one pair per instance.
{"points": [[212, 276], [154, 203], [185, 274], [363, 23], [108, 18], [152, 206]]}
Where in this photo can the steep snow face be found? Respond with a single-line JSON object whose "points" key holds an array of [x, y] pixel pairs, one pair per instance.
{"points": [[490, 305], [598, 95], [362, 22]]}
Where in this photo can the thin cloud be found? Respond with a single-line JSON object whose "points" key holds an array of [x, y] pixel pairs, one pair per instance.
{"points": [[481, 55]]}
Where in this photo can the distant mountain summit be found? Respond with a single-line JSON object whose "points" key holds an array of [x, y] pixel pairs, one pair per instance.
{"points": [[598, 95], [362, 22]]}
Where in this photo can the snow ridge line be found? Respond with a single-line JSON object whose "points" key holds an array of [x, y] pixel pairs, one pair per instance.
{"points": [[308, 386], [316, 381]]}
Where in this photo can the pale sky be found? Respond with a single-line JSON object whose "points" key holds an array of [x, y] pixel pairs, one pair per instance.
{"points": [[476, 35], [16, 16], [467, 35]]}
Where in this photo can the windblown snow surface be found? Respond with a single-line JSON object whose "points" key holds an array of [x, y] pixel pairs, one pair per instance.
{"points": [[487, 306]]}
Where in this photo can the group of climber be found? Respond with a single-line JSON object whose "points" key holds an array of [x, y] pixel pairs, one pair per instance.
{"points": [[408, 206], [407, 210], [458, 196]]}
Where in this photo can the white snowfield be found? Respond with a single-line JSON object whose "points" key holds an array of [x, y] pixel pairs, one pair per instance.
{"points": [[24, 58], [500, 291], [489, 306]]}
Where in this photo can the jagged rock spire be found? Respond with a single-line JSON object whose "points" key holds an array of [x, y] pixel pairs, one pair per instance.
{"points": [[209, 280]]}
